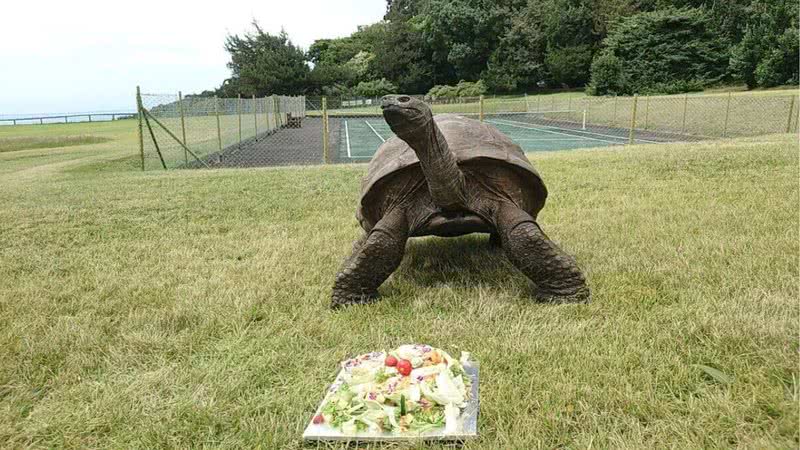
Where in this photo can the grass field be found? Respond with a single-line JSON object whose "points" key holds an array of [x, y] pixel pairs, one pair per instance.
{"points": [[28, 142], [190, 308]]}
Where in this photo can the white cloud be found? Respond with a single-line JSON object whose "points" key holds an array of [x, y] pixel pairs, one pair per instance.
{"points": [[58, 56]]}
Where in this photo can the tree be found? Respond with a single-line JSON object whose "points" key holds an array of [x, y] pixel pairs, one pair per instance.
{"points": [[571, 42], [621, 46], [518, 61], [402, 57], [340, 64], [768, 52], [780, 64], [263, 64], [569, 66], [462, 35], [666, 51]]}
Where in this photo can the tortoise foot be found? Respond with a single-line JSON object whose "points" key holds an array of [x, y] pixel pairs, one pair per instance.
{"points": [[341, 298], [581, 295]]}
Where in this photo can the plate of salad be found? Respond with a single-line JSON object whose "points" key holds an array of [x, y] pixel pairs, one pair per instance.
{"points": [[411, 392]]}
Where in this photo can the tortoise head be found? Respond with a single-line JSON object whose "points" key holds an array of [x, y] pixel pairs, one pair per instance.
{"points": [[407, 116]]}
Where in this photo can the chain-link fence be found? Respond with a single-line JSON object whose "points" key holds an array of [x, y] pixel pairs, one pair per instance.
{"points": [[249, 132], [194, 132]]}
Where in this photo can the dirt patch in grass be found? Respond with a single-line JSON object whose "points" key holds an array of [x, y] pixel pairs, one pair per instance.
{"points": [[10, 144]]}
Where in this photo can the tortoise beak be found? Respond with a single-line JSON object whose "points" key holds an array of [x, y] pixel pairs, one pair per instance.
{"points": [[392, 111], [388, 101], [392, 114]]}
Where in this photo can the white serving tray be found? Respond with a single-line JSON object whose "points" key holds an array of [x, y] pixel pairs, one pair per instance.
{"points": [[467, 427]]}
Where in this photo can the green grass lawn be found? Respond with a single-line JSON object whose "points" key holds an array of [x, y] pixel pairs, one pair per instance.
{"points": [[190, 308], [28, 142]]}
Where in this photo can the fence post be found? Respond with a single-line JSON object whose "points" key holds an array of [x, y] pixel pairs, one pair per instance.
{"points": [[276, 111], [569, 103], [646, 111], [727, 114], [791, 111], [583, 127], [270, 105], [255, 116], [219, 129], [685, 107], [183, 126], [239, 112], [139, 128], [527, 107], [266, 114], [614, 118], [325, 144], [480, 108], [633, 119], [538, 102]]}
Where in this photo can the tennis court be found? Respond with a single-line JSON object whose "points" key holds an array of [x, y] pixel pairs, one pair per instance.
{"points": [[361, 136]]}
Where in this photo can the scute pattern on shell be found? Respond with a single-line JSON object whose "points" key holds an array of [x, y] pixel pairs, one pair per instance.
{"points": [[468, 139]]}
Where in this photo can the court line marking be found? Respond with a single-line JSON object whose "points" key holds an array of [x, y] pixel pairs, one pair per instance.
{"points": [[579, 138], [347, 138], [381, 127], [514, 124], [592, 133], [544, 128], [376, 133]]}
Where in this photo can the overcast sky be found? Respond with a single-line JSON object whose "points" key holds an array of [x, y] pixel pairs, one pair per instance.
{"points": [[87, 55]]}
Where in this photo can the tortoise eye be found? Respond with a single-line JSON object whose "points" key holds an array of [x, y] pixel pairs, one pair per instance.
{"points": [[403, 98]]}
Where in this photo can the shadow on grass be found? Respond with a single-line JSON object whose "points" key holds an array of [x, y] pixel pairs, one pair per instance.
{"points": [[464, 261]]}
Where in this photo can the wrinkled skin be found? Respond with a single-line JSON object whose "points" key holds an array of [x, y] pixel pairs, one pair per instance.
{"points": [[445, 198]]}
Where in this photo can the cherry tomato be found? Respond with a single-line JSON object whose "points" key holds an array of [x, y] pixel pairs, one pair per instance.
{"points": [[404, 367], [318, 419], [390, 361]]}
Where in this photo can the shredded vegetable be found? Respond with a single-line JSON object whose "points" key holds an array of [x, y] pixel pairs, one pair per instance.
{"points": [[374, 396]]}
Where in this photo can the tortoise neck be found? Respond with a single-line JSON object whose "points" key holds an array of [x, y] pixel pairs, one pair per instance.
{"points": [[440, 167]]}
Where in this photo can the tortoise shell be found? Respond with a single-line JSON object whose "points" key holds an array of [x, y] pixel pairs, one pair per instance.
{"points": [[472, 142]]}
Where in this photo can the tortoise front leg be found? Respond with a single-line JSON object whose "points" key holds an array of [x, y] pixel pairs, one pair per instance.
{"points": [[555, 273], [375, 256]]}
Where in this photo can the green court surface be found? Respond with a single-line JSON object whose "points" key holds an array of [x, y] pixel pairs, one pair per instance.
{"points": [[360, 137]]}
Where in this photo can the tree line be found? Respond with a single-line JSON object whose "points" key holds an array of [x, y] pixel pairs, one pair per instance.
{"points": [[452, 47]]}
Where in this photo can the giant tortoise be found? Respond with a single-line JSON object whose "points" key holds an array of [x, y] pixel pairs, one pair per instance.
{"points": [[447, 176]]}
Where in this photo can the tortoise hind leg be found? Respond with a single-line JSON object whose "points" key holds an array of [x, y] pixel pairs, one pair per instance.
{"points": [[375, 256], [555, 273]]}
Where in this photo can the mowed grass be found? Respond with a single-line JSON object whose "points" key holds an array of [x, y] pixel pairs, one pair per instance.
{"points": [[28, 142], [190, 308]]}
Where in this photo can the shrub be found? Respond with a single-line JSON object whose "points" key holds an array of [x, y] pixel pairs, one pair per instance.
{"points": [[462, 89], [607, 75], [375, 88], [468, 89]]}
